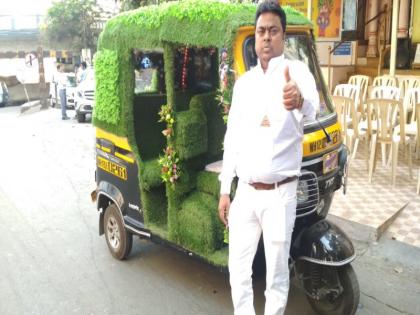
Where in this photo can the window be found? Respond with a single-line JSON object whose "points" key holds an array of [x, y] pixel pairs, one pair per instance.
{"points": [[148, 71], [296, 47], [194, 69]]}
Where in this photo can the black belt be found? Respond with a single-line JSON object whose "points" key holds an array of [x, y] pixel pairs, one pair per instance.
{"points": [[264, 186]]}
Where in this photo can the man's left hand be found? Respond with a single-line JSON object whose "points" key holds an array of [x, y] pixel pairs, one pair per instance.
{"points": [[291, 92]]}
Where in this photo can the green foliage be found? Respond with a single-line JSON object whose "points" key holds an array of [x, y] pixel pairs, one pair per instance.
{"points": [[73, 21], [208, 182], [155, 205], [199, 226], [215, 126], [108, 105], [202, 23], [191, 134], [150, 174]]}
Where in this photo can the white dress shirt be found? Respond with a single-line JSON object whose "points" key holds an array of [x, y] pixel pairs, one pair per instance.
{"points": [[61, 78], [267, 154]]}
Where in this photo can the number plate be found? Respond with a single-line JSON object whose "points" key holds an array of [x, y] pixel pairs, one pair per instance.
{"points": [[112, 168], [330, 162]]}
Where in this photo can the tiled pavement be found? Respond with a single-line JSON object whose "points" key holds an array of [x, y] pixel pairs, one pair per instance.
{"points": [[378, 205]]}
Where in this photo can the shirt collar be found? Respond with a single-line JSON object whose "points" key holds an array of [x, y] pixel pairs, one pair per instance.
{"points": [[272, 64]]}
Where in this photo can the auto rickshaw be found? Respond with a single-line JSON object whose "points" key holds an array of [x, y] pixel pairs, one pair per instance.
{"points": [[159, 118]]}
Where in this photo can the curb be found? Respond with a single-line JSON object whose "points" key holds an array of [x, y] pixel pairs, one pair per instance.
{"points": [[34, 105]]}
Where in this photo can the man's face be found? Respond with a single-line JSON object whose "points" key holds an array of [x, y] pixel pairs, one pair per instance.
{"points": [[269, 37]]}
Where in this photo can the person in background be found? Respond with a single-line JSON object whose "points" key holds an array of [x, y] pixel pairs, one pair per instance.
{"points": [[61, 85], [81, 74], [263, 148]]}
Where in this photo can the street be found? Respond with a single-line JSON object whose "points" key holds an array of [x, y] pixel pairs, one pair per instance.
{"points": [[54, 262]]}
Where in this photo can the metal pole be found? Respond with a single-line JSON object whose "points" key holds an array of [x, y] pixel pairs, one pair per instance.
{"points": [[309, 10], [394, 37], [329, 69], [42, 85]]}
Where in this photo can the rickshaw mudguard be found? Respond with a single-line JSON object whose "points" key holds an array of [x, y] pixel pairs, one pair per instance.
{"points": [[325, 243], [107, 191]]}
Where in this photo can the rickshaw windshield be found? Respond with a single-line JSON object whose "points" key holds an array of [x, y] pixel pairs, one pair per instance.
{"points": [[296, 47]]}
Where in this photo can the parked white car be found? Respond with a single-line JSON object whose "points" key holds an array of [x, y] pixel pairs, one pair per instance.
{"points": [[4, 94], [70, 91], [85, 96]]}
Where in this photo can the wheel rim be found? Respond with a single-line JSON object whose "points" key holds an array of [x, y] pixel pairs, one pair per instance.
{"points": [[113, 233]]}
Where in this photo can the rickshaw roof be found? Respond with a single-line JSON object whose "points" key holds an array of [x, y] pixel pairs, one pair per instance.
{"points": [[202, 23]]}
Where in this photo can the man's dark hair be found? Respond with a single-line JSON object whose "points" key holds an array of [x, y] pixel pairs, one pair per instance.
{"points": [[272, 6], [84, 65]]}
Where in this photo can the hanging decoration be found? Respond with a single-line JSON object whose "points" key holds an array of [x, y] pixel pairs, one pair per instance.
{"points": [[169, 162], [185, 69]]}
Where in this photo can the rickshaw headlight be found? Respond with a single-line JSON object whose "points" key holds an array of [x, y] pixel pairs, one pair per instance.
{"points": [[302, 193]]}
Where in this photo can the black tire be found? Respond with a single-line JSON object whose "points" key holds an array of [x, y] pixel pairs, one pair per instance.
{"points": [[344, 304], [118, 239], [80, 117]]}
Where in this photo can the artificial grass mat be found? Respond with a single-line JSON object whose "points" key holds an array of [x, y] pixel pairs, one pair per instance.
{"points": [[199, 226]]}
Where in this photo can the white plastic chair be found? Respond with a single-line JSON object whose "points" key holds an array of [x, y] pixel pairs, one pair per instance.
{"points": [[348, 90], [352, 133], [385, 80], [408, 82], [386, 92], [411, 98], [363, 82], [386, 110]]}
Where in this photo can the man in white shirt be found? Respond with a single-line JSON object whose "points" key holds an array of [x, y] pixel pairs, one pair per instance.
{"points": [[61, 78], [263, 148]]}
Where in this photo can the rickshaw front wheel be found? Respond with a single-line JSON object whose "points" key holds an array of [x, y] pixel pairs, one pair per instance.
{"points": [[118, 239], [344, 303]]}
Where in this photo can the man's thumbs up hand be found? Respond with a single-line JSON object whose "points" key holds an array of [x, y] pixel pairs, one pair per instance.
{"points": [[291, 93]]}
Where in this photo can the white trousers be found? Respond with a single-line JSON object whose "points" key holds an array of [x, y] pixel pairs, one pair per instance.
{"points": [[273, 213]]}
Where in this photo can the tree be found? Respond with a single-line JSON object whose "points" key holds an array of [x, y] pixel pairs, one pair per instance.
{"points": [[74, 22]]}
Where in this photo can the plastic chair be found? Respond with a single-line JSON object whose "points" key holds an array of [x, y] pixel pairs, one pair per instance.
{"points": [[379, 92], [346, 112], [406, 83], [386, 110], [386, 92], [362, 81], [412, 97], [385, 80], [348, 90]]}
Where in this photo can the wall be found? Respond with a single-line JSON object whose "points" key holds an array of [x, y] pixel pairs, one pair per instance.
{"points": [[339, 74], [17, 95]]}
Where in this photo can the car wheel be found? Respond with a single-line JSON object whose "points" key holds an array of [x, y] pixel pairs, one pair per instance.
{"points": [[118, 239], [80, 117]]}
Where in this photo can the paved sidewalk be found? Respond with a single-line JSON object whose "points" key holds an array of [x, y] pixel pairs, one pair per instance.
{"points": [[377, 206]]}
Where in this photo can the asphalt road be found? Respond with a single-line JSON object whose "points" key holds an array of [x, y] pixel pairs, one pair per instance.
{"points": [[52, 260]]}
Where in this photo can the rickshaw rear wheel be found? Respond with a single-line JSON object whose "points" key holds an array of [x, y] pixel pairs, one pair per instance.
{"points": [[346, 302], [118, 239]]}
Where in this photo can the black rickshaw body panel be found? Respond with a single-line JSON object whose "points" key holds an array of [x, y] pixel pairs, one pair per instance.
{"points": [[117, 180]]}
